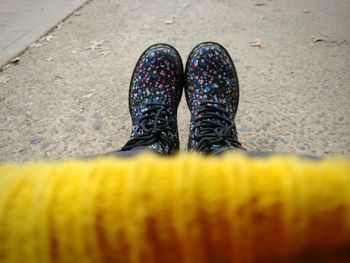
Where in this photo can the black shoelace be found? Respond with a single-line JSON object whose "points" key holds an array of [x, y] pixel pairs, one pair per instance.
{"points": [[213, 127], [154, 126]]}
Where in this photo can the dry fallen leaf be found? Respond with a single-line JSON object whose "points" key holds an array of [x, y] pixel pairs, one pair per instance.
{"points": [[317, 39], [326, 38], [48, 38], [170, 22], [88, 95], [15, 60], [34, 45], [257, 43], [4, 80], [95, 44]]}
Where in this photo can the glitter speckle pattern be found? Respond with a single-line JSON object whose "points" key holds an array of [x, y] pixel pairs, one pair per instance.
{"points": [[157, 78], [210, 76]]}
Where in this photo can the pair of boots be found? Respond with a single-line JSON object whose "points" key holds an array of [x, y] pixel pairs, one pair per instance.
{"points": [[212, 92]]}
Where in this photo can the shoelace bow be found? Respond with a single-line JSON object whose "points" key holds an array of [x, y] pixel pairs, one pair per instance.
{"points": [[154, 126], [213, 127]]}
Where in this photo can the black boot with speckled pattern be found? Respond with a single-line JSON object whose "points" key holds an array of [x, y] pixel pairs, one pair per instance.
{"points": [[155, 92], [212, 93]]}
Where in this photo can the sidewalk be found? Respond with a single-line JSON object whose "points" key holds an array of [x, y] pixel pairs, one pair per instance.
{"points": [[67, 95], [24, 21]]}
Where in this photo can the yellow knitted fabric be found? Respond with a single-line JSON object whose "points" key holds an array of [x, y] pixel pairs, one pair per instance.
{"points": [[182, 209]]}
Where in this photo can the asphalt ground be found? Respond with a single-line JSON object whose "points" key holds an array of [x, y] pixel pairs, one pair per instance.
{"points": [[67, 96]]}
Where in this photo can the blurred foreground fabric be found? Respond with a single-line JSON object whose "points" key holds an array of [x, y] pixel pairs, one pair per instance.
{"points": [[183, 209]]}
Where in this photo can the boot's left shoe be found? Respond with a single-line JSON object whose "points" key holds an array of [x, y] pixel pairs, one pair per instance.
{"points": [[212, 94], [154, 95]]}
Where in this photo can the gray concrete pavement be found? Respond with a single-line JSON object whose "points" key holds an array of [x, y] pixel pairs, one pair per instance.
{"points": [[67, 97], [24, 21]]}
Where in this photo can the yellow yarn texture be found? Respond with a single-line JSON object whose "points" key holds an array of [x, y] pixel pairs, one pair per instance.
{"points": [[182, 209]]}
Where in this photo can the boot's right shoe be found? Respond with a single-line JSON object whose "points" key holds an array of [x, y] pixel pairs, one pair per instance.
{"points": [[212, 93]]}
